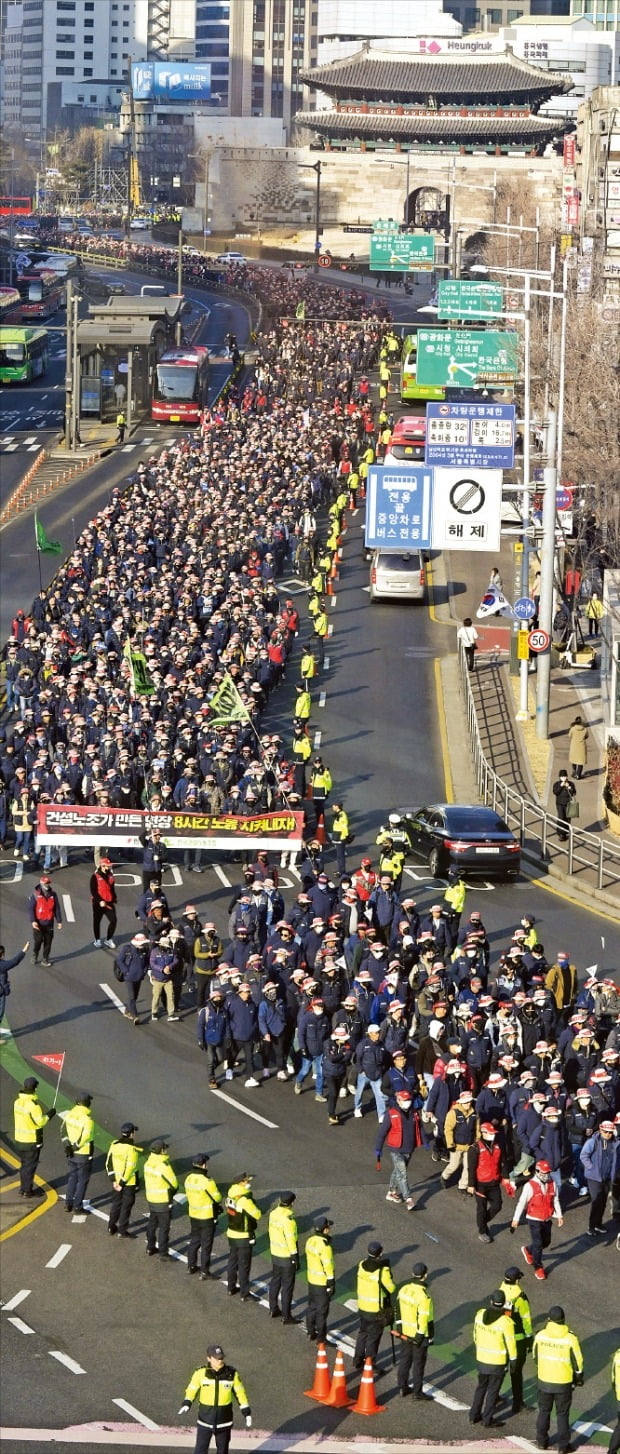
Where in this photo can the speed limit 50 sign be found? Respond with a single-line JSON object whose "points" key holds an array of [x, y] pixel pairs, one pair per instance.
{"points": [[539, 640]]}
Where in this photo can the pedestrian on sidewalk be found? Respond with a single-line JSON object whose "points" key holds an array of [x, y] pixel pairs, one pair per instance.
{"points": [[564, 792], [121, 425], [495, 579], [594, 612], [578, 746], [468, 636]]}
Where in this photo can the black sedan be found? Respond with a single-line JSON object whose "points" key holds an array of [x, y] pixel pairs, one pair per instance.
{"points": [[472, 836]]}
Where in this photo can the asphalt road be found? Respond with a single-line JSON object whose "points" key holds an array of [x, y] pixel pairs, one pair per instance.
{"points": [[137, 1330]]}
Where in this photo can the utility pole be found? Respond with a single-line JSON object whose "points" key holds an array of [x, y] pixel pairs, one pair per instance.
{"points": [[178, 325], [69, 368], [317, 213], [547, 569], [524, 666]]}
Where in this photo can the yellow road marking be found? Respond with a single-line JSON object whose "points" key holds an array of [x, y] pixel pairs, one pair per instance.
{"points": [[48, 1201], [431, 599], [541, 883], [443, 735]]}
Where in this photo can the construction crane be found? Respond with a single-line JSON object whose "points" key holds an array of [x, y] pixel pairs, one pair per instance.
{"points": [[134, 193]]}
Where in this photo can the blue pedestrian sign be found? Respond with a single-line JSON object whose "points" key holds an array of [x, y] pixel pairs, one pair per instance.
{"points": [[475, 436], [524, 608], [399, 507]]}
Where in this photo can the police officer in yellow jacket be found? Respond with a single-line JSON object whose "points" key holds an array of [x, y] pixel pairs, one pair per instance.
{"points": [[375, 1287], [559, 1366], [78, 1137], [160, 1184], [243, 1216], [454, 900], [321, 1279], [30, 1119], [614, 1443], [121, 1165], [284, 1249], [216, 1383], [518, 1304], [204, 1202], [496, 1350], [416, 1326], [339, 836]]}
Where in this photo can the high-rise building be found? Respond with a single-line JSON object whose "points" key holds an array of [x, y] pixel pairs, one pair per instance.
{"points": [[604, 14], [492, 14], [345, 24], [256, 49], [65, 61]]}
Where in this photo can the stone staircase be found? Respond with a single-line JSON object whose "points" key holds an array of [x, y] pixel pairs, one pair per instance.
{"points": [[49, 471]]}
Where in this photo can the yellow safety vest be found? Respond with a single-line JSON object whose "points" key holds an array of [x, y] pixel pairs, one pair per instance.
{"points": [[374, 1286], [242, 1212], [216, 1388], [201, 1192], [322, 779], [30, 1118], [495, 1341], [308, 665], [416, 1309], [160, 1181], [122, 1162], [557, 1353], [282, 1233], [319, 1260], [341, 826], [392, 862], [321, 623], [79, 1129], [456, 895], [302, 747], [518, 1305], [303, 706], [615, 1373]]}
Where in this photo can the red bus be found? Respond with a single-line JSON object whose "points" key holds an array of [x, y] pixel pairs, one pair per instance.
{"points": [[181, 385], [15, 206], [42, 293], [10, 305]]}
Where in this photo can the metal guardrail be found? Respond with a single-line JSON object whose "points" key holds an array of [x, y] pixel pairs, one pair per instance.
{"points": [[586, 856]]}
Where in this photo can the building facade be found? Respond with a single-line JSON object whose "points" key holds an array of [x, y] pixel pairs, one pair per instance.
{"points": [[570, 47], [598, 181], [343, 25], [604, 14], [257, 50]]}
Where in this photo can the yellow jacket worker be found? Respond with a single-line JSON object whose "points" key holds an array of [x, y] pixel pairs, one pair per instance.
{"points": [[204, 1201], [375, 1288], [30, 1118], [78, 1137], [121, 1164], [284, 1249], [216, 1384], [243, 1216], [614, 1443], [559, 1366], [321, 1278], [416, 1323], [496, 1350], [160, 1184]]}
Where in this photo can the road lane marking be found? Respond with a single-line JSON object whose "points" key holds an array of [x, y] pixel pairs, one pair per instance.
{"points": [[221, 875], [10, 447], [15, 1301], [245, 1110], [317, 740], [134, 1413], [60, 1255], [21, 1327], [67, 1362], [326, 664], [113, 997], [68, 908], [322, 698]]}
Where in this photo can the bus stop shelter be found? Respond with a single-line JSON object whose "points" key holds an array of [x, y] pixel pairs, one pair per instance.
{"points": [[118, 346]]}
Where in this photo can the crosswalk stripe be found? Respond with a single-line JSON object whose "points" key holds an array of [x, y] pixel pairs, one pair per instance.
{"points": [[10, 447], [127, 448], [30, 440], [32, 447]]}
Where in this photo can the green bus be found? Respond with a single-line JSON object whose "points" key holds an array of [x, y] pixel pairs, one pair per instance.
{"points": [[23, 354], [409, 387]]}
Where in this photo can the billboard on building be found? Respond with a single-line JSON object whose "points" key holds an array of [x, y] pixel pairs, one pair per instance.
{"points": [[171, 81]]}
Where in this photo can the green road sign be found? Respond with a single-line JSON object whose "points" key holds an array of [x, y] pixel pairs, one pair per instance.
{"points": [[463, 358], [459, 299], [392, 251]]}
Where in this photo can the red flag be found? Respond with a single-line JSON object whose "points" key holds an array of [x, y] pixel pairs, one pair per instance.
{"points": [[55, 1060]]}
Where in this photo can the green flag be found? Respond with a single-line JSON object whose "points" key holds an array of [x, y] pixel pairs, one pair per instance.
{"points": [[300, 311], [46, 547], [227, 705], [141, 679]]}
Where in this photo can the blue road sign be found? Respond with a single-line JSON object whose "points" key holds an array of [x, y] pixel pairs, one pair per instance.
{"points": [[481, 436], [399, 507], [524, 608]]}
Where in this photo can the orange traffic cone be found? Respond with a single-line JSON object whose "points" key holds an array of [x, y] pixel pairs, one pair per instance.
{"points": [[338, 1397], [366, 1401], [320, 1387], [320, 833]]}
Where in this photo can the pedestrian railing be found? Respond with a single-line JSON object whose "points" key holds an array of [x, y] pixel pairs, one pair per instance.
{"points": [[590, 858]]}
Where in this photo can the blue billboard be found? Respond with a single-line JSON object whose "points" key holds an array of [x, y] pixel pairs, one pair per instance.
{"points": [[170, 81], [399, 507], [480, 436]]}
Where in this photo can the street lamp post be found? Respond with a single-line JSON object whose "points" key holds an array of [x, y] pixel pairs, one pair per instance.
{"points": [[315, 167]]}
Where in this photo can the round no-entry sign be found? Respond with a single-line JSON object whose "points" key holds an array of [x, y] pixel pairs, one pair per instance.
{"points": [[538, 640], [564, 498]]}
